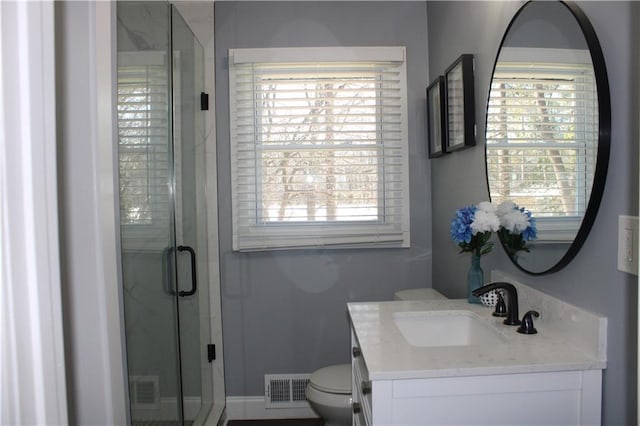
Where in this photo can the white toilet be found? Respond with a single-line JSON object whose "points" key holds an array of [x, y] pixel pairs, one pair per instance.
{"points": [[329, 394], [329, 388]]}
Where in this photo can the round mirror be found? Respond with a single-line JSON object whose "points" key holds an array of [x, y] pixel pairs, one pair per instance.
{"points": [[548, 130]]}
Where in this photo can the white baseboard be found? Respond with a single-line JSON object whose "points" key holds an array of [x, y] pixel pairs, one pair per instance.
{"points": [[253, 408]]}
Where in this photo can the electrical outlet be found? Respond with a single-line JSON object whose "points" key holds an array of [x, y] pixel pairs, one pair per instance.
{"points": [[628, 244]]}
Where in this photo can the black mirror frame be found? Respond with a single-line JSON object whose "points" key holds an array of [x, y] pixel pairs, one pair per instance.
{"points": [[604, 133]]}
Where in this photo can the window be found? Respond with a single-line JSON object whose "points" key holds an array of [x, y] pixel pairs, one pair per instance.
{"points": [[318, 148], [143, 148], [542, 131]]}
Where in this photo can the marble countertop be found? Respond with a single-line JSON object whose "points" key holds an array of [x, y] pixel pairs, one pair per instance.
{"points": [[570, 339]]}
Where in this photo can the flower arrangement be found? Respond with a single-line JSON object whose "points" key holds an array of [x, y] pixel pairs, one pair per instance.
{"points": [[517, 226], [472, 226], [471, 229]]}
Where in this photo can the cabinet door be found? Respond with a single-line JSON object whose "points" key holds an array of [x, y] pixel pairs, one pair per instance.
{"points": [[557, 398]]}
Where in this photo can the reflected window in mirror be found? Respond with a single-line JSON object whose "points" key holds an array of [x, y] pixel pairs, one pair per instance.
{"points": [[548, 128], [542, 126]]}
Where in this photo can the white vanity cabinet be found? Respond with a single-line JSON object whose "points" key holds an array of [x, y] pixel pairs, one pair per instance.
{"points": [[550, 378], [550, 398]]}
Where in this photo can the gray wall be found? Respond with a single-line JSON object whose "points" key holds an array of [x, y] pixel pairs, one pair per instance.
{"points": [[591, 281], [284, 312]]}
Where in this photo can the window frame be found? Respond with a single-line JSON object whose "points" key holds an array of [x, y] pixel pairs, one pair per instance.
{"points": [[257, 236]]}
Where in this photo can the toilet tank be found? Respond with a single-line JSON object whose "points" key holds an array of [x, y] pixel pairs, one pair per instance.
{"points": [[418, 294]]}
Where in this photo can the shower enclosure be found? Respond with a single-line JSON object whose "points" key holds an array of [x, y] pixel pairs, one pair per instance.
{"points": [[161, 134]]}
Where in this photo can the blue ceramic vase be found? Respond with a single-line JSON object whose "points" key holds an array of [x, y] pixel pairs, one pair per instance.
{"points": [[475, 279]]}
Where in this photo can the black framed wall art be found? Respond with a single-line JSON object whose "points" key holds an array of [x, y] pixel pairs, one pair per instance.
{"points": [[436, 123], [460, 104]]}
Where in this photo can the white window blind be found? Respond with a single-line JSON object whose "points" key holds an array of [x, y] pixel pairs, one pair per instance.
{"points": [[318, 148], [542, 132], [143, 142]]}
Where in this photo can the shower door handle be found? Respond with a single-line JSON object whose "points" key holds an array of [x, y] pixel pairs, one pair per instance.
{"points": [[194, 279]]}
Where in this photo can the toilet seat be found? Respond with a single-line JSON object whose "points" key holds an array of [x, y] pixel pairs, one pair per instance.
{"points": [[333, 379]]}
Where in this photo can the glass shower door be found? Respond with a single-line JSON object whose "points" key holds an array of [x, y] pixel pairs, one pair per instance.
{"points": [[189, 168], [145, 157], [163, 215]]}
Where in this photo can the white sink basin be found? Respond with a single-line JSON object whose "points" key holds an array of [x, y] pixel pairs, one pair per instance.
{"points": [[446, 328]]}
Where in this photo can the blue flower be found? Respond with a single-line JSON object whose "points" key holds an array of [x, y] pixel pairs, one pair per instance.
{"points": [[461, 225], [472, 230], [531, 233]]}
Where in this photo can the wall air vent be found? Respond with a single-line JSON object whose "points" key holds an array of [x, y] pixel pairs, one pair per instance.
{"points": [[285, 390], [144, 392]]}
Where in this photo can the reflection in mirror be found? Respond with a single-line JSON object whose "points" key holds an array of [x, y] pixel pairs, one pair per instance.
{"points": [[544, 146]]}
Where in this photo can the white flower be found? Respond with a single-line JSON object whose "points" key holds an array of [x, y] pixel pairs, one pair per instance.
{"points": [[486, 206], [506, 207], [515, 221], [484, 221]]}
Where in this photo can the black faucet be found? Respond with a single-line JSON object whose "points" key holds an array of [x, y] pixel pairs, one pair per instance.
{"points": [[512, 299], [527, 323]]}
